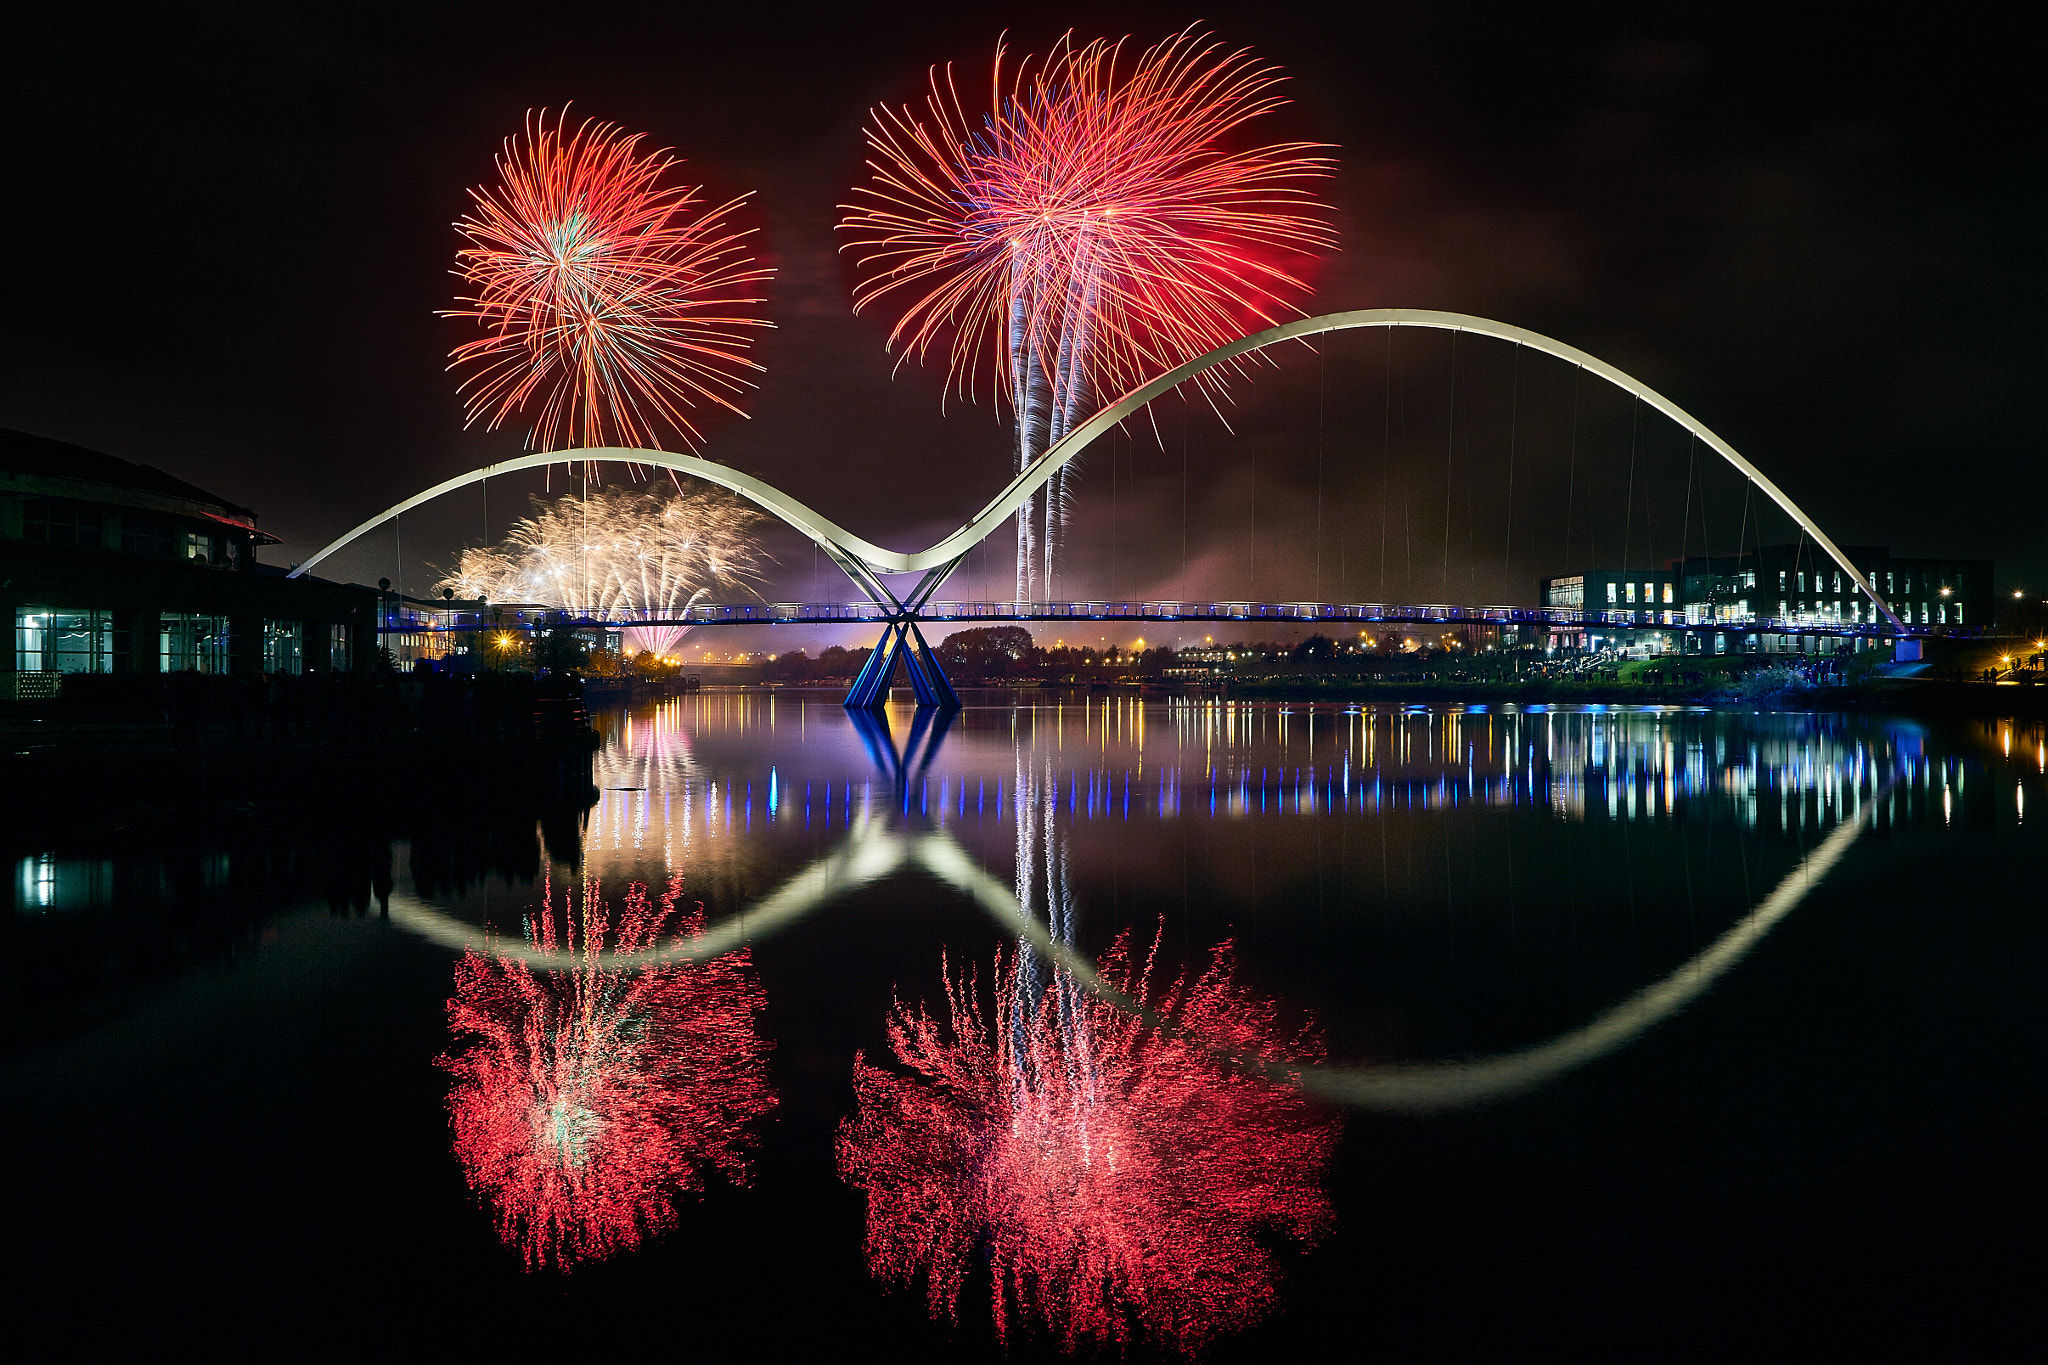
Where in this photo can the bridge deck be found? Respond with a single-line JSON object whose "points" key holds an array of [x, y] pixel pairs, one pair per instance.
{"points": [[993, 613]]}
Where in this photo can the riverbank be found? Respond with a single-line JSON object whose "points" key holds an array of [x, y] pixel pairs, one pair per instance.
{"points": [[160, 752], [1890, 696]]}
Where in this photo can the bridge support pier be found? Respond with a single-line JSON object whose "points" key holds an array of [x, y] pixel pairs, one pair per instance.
{"points": [[901, 639]]}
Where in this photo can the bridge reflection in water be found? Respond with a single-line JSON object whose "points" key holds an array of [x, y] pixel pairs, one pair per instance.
{"points": [[1126, 1136], [1809, 778]]}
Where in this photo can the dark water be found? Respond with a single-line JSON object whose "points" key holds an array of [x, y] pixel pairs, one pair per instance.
{"points": [[1422, 1032]]}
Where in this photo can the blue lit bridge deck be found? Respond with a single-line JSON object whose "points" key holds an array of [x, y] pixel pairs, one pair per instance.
{"points": [[467, 617]]}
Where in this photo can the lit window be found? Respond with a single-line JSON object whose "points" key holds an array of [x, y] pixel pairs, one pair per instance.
{"points": [[192, 644], [1781, 580], [1667, 592], [1802, 580], [63, 640], [1610, 594], [281, 647], [1631, 591]]}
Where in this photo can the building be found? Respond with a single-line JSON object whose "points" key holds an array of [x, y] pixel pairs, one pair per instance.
{"points": [[1625, 607], [1789, 598], [1800, 583], [113, 567]]}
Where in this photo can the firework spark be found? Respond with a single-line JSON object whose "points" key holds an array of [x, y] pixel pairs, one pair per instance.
{"points": [[620, 304], [1088, 232], [1118, 1179], [620, 553], [587, 1102]]}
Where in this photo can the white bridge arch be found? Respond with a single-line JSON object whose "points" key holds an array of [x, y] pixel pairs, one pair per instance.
{"points": [[864, 561]]}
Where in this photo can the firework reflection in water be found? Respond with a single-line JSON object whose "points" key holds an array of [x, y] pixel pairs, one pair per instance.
{"points": [[1120, 1180], [588, 1101]]}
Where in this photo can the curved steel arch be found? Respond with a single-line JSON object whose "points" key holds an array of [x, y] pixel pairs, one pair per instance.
{"points": [[774, 501], [862, 559]]}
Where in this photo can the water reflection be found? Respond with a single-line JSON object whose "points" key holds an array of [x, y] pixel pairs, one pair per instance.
{"points": [[589, 1099], [1797, 778], [1128, 1159], [1117, 1180]]}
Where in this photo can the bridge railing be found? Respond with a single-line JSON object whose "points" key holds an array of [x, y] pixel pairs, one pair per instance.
{"points": [[463, 619]]}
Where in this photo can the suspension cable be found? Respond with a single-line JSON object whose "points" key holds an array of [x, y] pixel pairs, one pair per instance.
{"points": [[1450, 450], [1514, 419], [1571, 478]]}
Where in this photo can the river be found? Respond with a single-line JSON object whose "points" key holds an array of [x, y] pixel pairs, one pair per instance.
{"points": [[1069, 1026]]}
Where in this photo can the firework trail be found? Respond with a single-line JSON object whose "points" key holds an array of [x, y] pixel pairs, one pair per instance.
{"points": [[587, 1102], [1087, 232], [619, 304], [1119, 1181], [620, 553]]}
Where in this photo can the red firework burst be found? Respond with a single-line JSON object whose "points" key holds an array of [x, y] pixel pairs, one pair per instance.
{"points": [[587, 1102], [1118, 1178], [1090, 226], [619, 303]]}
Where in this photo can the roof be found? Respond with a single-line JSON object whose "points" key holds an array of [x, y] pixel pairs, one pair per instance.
{"points": [[22, 453]]}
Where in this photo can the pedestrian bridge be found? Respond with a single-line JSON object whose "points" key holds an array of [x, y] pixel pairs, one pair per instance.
{"points": [[1337, 614], [901, 612]]}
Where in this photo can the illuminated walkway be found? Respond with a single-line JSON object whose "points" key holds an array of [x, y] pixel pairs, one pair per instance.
{"points": [[841, 613]]}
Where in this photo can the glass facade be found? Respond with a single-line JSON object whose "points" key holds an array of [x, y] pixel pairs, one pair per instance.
{"points": [[63, 640], [46, 882], [144, 534], [60, 521], [192, 644], [283, 649]]}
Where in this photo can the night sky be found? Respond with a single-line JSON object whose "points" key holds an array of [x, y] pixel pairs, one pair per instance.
{"points": [[1819, 228]]}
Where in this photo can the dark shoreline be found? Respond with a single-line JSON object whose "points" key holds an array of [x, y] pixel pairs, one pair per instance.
{"points": [[1908, 698], [1890, 698]]}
